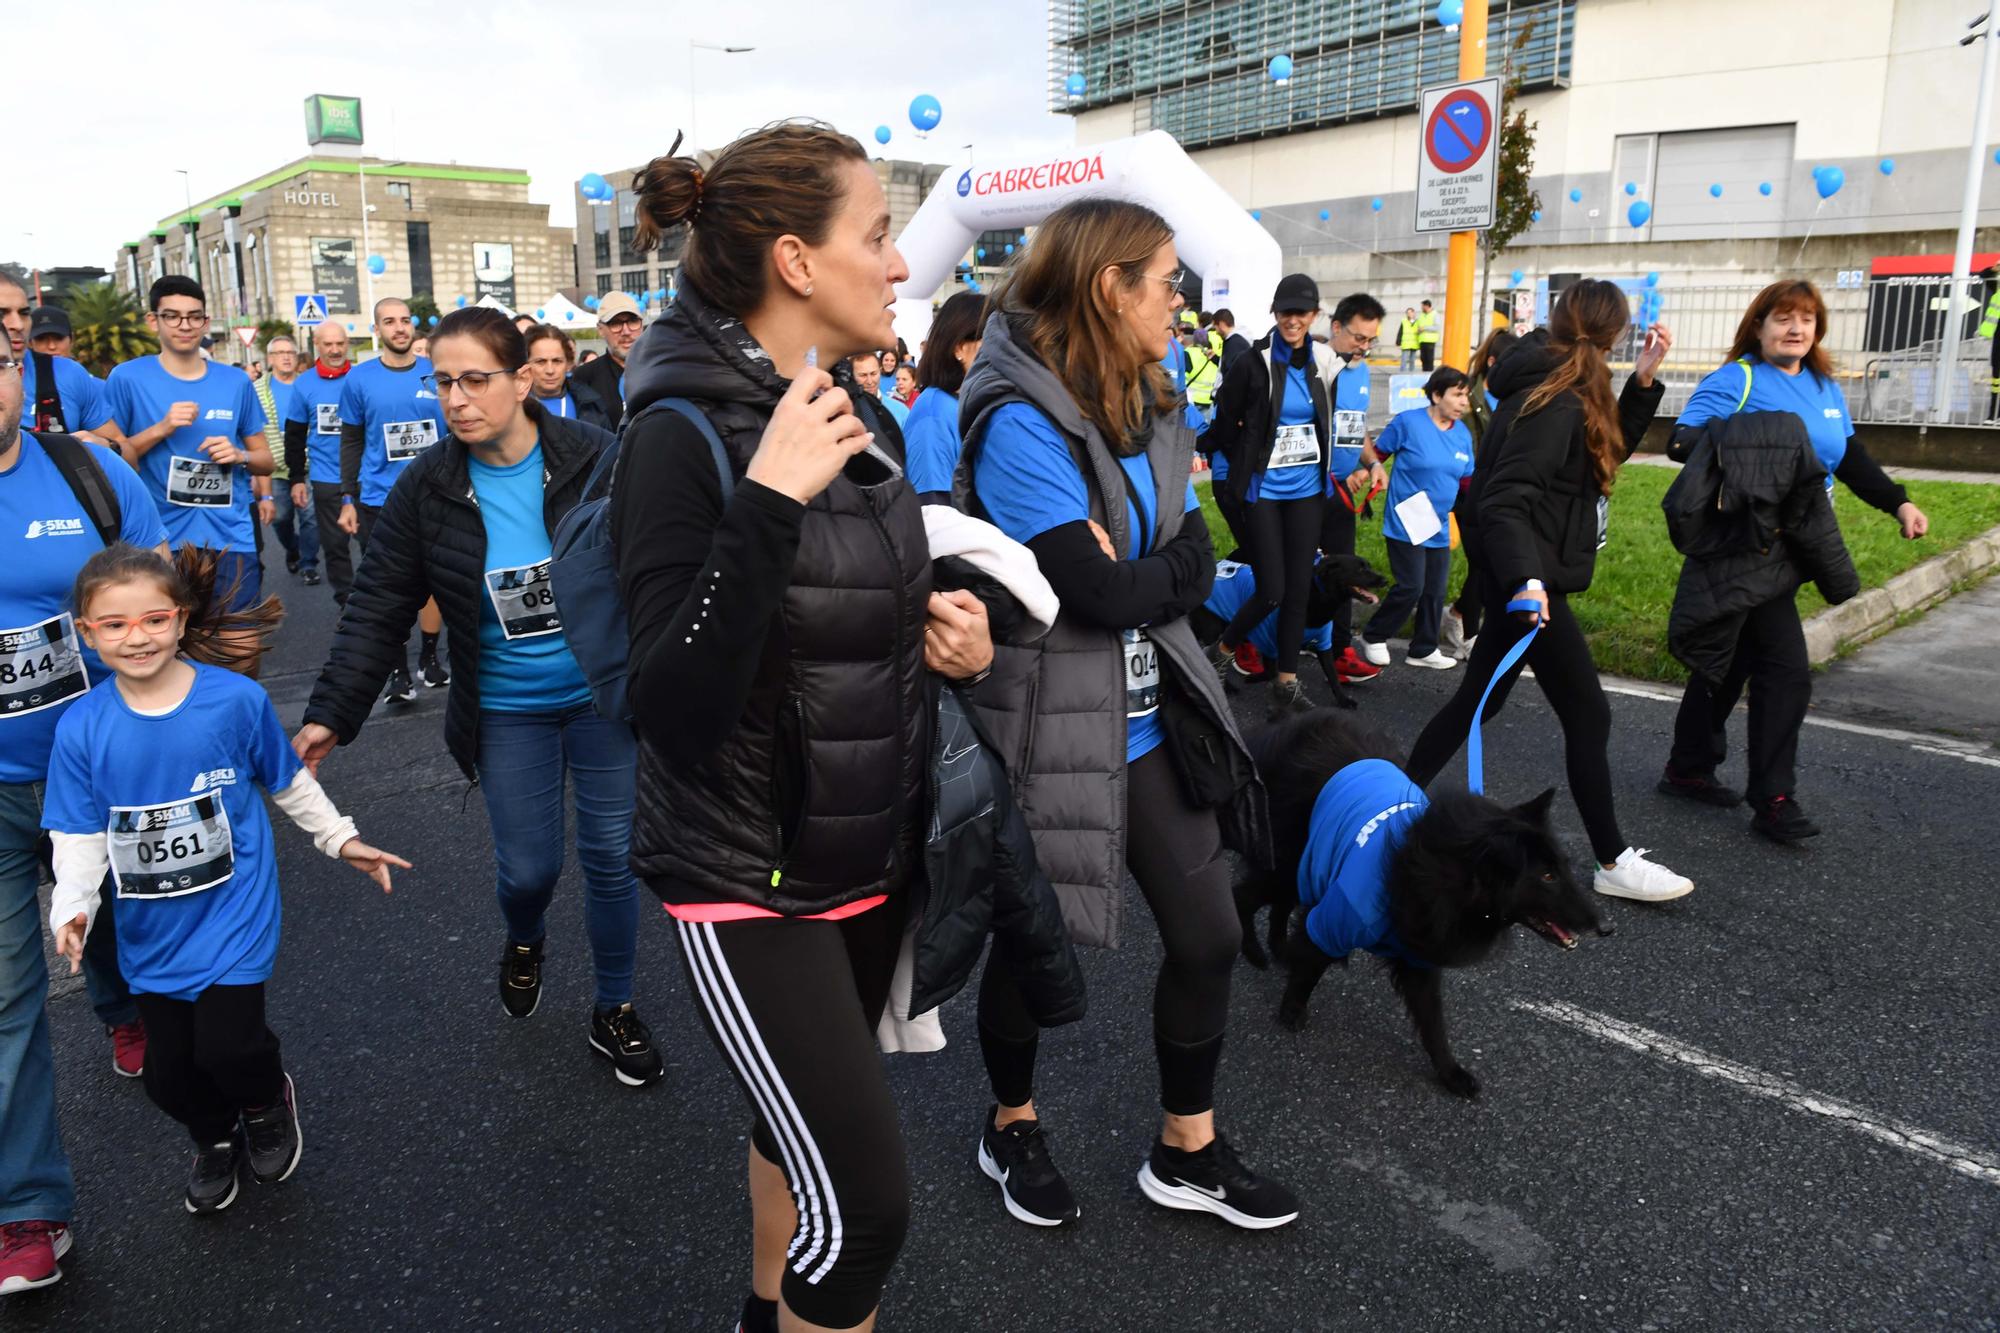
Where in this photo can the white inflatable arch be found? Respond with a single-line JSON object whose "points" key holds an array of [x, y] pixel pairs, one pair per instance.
{"points": [[1239, 262]]}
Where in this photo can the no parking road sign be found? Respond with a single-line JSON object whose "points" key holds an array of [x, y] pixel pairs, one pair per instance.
{"points": [[1459, 165]]}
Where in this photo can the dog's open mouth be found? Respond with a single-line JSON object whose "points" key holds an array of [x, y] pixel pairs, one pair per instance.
{"points": [[1365, 595], [1550, 931]]}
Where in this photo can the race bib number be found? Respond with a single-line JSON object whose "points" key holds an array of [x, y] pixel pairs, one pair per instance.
{"points": [[1350, 429], [1142, 674], [326, 418], [404, 440], [1295, 446], [40, 666], [166, 850], [524, 601], [1603, 520], [197, 482]]}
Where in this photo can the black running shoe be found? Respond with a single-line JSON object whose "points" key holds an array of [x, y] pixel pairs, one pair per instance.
{"points": [[1703, 788], [520, 978], [432, 672], [399, 690], [1016, 1158], [273, 1138], [1288, 699], [1214, 1180], [291, 564], [312, 577], [212, 1179], [1781, 820], [622, 1038]]}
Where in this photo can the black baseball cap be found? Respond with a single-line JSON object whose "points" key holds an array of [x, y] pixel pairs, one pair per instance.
{"points": [[48, 319], [1295, 292]]}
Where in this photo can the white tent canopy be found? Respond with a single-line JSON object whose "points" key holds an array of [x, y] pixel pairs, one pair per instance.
{"points": [[1238, 260]]}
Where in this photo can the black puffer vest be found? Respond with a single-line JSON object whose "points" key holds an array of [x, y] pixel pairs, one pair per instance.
{"points": [[818, 797]]}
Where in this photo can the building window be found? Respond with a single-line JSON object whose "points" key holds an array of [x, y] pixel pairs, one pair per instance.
{"points": [[419, 238], [628, 250], [601, 249], [400, 190], [664, 281], [633, 280], [604, 282]]}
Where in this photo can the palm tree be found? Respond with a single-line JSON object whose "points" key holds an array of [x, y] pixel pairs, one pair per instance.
{"points": [[108, 327]]}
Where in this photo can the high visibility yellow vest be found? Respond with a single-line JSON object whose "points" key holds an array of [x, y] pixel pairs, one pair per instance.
{"points": [[1991, 319], [1204, 373], [1427, 327], [1406, 335]]}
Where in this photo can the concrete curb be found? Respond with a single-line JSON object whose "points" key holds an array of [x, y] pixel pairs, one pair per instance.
{"points": [[1876, 611]]}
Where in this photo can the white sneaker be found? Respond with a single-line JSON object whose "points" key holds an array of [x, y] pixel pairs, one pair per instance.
{"points": [[1375, 654], [1451, 635], [1434, 659], [1637, 878]]}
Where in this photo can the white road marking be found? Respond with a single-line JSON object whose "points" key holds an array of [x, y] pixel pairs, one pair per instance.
{"points": [[1967, 1161], [1924, 742], [1959, 754]]}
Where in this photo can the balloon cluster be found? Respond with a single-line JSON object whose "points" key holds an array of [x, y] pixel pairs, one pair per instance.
{"points": [[594, 186], [591, 302]]}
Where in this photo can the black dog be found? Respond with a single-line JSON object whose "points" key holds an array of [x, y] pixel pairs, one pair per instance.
{"points": [[1464, 871], [1335, 578]]}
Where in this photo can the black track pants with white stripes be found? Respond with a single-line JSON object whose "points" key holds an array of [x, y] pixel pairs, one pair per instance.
{"points": [[793, 1005]]}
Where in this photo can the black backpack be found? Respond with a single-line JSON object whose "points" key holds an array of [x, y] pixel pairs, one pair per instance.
{"points": [[87, 483]]}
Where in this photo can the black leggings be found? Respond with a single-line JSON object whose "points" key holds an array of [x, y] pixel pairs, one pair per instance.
{"points": [[1771, 658], [1336, 537], [792, 1005], [1283, 536], [1568, 677], [211, 1058], [1174, 851]]}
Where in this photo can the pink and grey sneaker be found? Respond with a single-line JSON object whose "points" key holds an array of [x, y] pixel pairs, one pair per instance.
{"points": [[29, 1252], [128, 1048]]}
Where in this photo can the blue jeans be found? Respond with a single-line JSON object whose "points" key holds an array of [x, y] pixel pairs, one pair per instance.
{"points": [[102, 977], [297, 530], [243, 572], [523, 758], [35, 1181]]}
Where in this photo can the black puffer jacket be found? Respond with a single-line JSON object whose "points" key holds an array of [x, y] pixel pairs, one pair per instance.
{"points": [[1247, 408], [1751, 513], [1532, 508], [431, 542], [776, 674]]}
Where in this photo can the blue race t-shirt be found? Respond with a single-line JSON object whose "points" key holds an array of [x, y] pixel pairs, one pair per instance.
{"points": [[45, 536], [562, 405], [177, 798], [201, 502], [82, 394], [525, 665], [1817, 402], [1236, 584], [1029, 484], [399, 419], [896, 406], [1427, 459], [1297, 468], [930, 441], [1174, 363], [315, 403], [1361, 817], [1350, 418]]}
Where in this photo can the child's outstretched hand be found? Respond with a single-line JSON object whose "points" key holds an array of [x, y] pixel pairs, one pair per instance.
{"points": [[370, 861], [69, 941]]}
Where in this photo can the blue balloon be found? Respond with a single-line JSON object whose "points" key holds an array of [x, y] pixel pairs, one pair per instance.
{"points": [[1887, 166], [1281, 68], [1631, 187], [1257, 214], [1652, 279], [461, 303], [1515, 277], [1715, 191], [1375, 205], [1576, 196], [1639, 212], [1535, 216], [432, 321], [1996, 157], [1764, 188], [980, 252], [594, 184], [1074, 85], [589, 302], [1324, 215], [1450, 13], [1010, 247], [376, 264], [881, 134], [925, 111], [539, 314], [1829, 180]]}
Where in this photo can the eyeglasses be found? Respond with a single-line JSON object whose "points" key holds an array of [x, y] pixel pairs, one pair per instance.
{"points": [[1173, 280], [186, 319], [8, 363], [472, 381], [116, 629], [1363, 343]]}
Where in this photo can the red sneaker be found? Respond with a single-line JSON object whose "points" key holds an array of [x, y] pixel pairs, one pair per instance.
{"points": [[1352, 670], [128, 1048], [1250, 662], [28, 1254]]}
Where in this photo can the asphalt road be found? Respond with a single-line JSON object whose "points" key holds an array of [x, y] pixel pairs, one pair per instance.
{"points": [[463, 1170]]}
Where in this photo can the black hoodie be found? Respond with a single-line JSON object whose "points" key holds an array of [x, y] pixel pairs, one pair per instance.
{"points": [[776, 672]]}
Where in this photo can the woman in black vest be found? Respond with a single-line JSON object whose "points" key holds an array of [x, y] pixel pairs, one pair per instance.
{"points": [[781, 622], [1115, 732]]}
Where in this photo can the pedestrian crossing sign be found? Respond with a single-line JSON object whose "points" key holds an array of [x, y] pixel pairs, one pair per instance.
{"points": [[310, 309]]}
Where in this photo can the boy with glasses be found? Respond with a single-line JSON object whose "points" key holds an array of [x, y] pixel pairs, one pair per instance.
{"points": [[1354, 473]]}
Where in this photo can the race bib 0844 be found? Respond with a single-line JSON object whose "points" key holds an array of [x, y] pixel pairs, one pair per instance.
{"points": [[40, 666]]}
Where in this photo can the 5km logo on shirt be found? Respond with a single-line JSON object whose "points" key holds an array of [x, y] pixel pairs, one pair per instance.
{"points": [[54, 527]]}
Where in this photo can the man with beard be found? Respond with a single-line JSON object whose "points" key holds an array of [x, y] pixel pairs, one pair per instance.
{"points": [[618, 320]]}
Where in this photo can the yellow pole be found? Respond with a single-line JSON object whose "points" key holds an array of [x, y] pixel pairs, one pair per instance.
{"points": [[1459, 331]]}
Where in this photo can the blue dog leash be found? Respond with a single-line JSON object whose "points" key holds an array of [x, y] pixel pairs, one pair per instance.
{"points": [[1475, 769]]}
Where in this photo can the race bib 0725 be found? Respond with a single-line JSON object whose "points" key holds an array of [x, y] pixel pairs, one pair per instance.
{"points": [[175, 847], [40, 666], [198, 482]]}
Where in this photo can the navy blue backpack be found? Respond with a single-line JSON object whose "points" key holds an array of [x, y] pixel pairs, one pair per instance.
{"points": [[583, 569]]}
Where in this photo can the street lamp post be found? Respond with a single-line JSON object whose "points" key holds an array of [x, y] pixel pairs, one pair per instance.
{"points": [[694, 102], [1968, 217]]}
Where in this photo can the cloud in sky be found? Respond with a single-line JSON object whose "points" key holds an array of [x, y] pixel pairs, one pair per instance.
{"points": [[555, 87]]}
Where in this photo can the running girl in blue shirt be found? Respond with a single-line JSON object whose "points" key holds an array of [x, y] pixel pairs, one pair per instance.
{"points": [[1433, 453], [930, 436], [155, 777]]}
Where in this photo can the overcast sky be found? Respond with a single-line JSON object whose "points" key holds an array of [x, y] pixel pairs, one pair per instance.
{"points": [[133, 90]]}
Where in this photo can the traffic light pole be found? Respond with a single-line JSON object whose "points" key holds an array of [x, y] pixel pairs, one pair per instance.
{"points": [[1458, 291]]}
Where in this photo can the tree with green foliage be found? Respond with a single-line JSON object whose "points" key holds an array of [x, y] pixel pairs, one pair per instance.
{"points": [[108, 328], [274, 327], [423, 309], [1514, 203]]}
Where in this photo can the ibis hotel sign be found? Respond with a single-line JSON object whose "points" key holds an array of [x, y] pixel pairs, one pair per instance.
{"points": [[331, 119]]}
